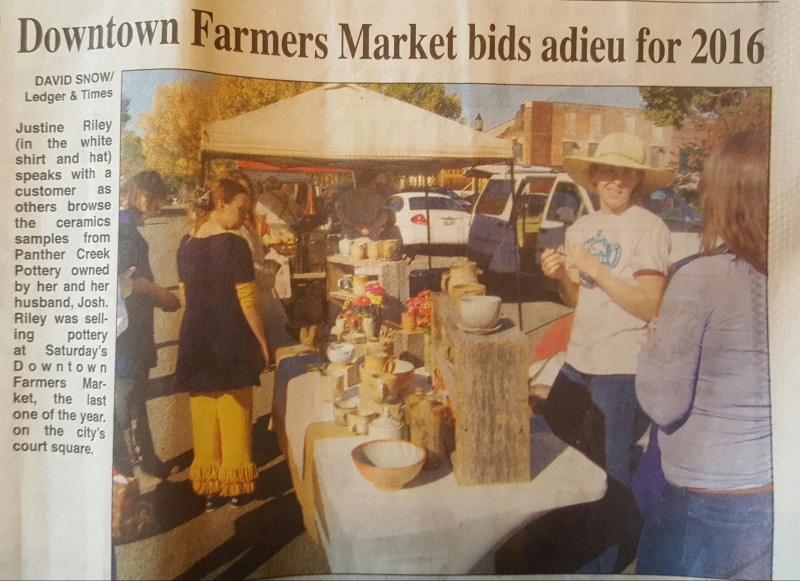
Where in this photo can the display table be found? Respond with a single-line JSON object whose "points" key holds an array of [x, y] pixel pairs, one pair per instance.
{"points": [[434, 525]]}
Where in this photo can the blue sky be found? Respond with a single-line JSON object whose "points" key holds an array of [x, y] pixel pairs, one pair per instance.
{"points": [[495, 103]]}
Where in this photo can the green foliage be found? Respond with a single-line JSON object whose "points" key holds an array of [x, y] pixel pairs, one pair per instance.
{"points": [[674, 106], [125, 114], [133, 160]]}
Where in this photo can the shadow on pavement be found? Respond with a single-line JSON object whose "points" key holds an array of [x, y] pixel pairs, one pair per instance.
{"points": [[259, 534]]}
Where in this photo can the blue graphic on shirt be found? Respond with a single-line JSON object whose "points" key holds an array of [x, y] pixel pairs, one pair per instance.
{"points": [[606, 253]]}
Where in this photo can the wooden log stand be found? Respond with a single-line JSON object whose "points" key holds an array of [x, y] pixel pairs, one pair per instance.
{"points": [[486, 379]]}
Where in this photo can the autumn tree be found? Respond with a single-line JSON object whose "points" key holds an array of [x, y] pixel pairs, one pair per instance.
{"points": [[133, 160], [172, 128]]}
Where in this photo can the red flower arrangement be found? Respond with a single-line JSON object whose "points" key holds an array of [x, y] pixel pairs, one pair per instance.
{"points": [[421, 308]]}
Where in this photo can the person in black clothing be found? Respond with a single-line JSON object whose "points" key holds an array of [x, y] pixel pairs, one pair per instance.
{"points": [[140, 198]]}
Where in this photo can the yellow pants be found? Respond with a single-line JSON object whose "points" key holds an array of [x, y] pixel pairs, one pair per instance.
{"points": [[222, 427]]}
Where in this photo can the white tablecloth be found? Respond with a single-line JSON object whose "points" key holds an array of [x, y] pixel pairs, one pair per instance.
{"points": [[435, 526]]}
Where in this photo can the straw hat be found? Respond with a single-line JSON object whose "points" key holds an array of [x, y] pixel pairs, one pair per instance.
{"points": [[620, 150]]}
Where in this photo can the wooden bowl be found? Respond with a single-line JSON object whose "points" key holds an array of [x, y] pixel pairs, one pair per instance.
{"points": [[389, 464]]}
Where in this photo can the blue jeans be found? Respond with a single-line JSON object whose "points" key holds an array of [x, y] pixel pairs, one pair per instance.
{"points": [[696, 534], [622, 419]]}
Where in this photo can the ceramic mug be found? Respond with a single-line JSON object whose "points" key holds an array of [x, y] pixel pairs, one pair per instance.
{"points": [[359, 284], [342, 408], [345, 244], [358, 250], [376, 362], [373, 251], [389, 249], [384, 387]]}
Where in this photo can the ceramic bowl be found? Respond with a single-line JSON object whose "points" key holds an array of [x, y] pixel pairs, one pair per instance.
{"points": [[389, 464], [480, 312], [340, 352]]}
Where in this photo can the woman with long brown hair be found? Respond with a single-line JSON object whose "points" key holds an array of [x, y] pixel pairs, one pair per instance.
{"points": [[704, 379]]}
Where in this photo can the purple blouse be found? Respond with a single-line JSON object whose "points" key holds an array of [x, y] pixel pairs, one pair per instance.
{"points": [[705, 378]]}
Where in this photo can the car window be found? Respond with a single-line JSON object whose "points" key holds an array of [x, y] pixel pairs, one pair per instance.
{"points": [[395, 203], [494, 197], [434, 203], [668, 205], [534, 205], [566, 205], [538, 184]]}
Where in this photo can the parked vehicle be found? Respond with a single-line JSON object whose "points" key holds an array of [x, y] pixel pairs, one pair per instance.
{"points": [[497, 246], [449, 221], [440, 190]]}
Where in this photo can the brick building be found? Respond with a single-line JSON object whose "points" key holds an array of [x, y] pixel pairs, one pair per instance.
{"points": [[546, 132]]}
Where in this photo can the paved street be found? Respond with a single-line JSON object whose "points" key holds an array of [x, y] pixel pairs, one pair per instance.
{"points": [[264, 538]]}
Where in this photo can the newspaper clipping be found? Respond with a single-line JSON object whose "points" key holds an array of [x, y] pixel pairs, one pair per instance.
{"points": [[301, 288]]}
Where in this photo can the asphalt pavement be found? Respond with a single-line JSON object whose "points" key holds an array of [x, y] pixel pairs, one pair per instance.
{"points": [[265, 537]]}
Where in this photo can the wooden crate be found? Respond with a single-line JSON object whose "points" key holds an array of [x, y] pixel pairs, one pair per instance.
{"points": [[486, 379]]}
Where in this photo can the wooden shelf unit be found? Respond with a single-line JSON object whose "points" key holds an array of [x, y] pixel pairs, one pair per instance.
{"points": [[487, 381]]}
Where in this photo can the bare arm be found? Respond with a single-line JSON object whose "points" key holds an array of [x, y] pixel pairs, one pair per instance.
{"points": [[251, 308], [166, 300], [253, 316], [642, 299]]}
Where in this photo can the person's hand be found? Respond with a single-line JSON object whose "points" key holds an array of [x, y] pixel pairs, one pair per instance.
{"points": [[169, 301], [265, 354], [553, 264], [581, 259]]}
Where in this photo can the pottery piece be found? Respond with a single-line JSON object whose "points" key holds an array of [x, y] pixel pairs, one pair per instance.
{"points": [[480, 312], [373, 250], [470, 289], [404, 371], [385, 427], [332, 384], [389, 249], [340, 352], [358, 250], [461, 272], [389, 464], [343, 407], [345, 244], [359, 284]]}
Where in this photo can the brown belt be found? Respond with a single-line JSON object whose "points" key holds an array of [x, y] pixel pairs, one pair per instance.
{"points": [[758, 490]]}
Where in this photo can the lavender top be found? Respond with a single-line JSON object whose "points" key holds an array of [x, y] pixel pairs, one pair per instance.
{"points": [[705, 379]]}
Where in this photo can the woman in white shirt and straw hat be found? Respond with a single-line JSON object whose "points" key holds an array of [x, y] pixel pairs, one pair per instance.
{"points": [[613, 270]]}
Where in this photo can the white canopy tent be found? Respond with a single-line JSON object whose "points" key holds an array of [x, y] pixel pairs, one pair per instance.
{"points": [[348, 126]]}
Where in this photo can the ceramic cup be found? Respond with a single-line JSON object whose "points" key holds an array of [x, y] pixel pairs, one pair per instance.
{"points": [[373, 251], [358, 250], [332, 383], [343, 407], [345, 244], [480, 312], [359, 284]]}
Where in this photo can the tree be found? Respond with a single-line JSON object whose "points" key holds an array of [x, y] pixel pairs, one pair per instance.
{"points": [[676, 106], [125, 114], [172, 128], [429, 97], [133, 160]]}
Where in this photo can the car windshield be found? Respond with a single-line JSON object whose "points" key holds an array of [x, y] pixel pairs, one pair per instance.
{"points": [[668, 205], [434, 203], [494, 197]]}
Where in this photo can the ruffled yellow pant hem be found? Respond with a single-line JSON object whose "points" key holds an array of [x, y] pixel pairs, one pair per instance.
{"points": [[222, 431]]}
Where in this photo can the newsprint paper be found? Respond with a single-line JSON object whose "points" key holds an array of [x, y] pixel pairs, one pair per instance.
{"points": [[144, 434]]}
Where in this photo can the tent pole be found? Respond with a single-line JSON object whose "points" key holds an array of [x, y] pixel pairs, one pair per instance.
{"points": [[428, 223], [515, 207]]}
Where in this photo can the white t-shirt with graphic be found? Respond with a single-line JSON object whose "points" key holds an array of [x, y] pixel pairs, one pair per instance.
{"points": [[606, 339]]}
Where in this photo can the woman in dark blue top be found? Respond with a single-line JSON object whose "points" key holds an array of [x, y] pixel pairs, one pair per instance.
{"points": [[140, 198]]}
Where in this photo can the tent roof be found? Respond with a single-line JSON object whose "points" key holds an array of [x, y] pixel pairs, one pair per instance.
{"points": [[350, 126]]}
